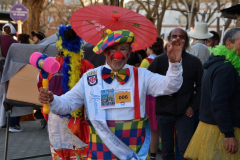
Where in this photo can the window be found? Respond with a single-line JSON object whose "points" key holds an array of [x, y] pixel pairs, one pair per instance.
{"points": [[51, 1], [182, 19], [71, 2], [50, 19]]}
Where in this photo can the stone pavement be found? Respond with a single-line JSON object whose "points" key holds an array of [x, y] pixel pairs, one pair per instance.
{"points": [[33, 141]]}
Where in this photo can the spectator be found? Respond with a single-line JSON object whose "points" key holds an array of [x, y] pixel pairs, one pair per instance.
{"points": [[178, 109], [62, 140], [6, 41], [23, 38], [198, 48], [37, 36], [152, 52], [218, 133], [213, 41], [134, 59], [142, 53]]}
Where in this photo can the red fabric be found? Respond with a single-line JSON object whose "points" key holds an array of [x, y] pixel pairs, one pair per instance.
{"points": [[69, 154], [149, 60], [150, 111], [91, 28], [6, 42], [79, 129], [136, 94]]}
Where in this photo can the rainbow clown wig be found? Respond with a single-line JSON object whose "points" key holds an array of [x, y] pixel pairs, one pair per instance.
{"points": [[113, 38], [72, 51]]}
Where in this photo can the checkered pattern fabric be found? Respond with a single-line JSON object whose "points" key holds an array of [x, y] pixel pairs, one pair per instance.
{"points": [[115, 37], [132, 133]]}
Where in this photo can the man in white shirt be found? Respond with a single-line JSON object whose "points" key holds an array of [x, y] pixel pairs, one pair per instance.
{"points": [[199, 34], [120, 129]]}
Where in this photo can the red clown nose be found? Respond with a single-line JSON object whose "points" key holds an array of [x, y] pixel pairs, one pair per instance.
{"points": [[118, 55]]}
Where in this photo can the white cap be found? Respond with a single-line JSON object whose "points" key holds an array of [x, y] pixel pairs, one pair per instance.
{"points": [[13, 30]]}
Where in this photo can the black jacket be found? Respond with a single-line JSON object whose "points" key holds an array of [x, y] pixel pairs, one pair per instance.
{"points": [[179, 102], [220, 103]]}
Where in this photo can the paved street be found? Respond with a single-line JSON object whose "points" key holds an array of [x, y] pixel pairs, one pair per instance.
{"points": [[33, 141]]}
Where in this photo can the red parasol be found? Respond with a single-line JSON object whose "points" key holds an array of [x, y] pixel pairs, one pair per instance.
{"points": [[91, 22]]}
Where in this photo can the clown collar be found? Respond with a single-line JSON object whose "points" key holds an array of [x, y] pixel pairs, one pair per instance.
{"points": [[230, 55]]}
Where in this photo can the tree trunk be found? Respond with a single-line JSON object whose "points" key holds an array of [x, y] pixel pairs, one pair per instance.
{"points": [[160, 19], [34, 13], [121, 3], [114, 2]]}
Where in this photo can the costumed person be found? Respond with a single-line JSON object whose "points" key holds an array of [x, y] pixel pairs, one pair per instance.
{"points": [[114, 95], [152, 52], [63, 143], [218, 133], [37, 36]]}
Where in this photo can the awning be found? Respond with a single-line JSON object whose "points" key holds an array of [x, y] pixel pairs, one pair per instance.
{"points": [[5, 16], [231, 12]]}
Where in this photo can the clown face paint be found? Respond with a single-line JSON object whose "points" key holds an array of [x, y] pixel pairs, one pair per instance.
{"points": [[115, 59]]}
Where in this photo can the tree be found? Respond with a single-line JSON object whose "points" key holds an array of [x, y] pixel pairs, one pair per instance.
{"points": [[189, 10], [165, 5], [35, 8], [155, 10], [6, 4]]}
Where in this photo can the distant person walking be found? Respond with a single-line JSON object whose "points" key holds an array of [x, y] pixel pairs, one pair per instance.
{"points": [[152, 52], [198, 47]]}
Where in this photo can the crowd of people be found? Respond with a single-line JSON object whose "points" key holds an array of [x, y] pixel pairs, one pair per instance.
{"points": [[186, 95]]}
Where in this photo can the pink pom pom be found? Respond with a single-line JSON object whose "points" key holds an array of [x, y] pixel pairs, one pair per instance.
{"points": [[34, 57], [118, 55], [50, 65]]}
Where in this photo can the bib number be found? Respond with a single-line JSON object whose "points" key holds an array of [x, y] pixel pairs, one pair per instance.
{"points": [[118, 98]]}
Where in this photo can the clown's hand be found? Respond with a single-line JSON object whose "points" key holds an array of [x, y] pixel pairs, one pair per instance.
{"points": [[174, 50], [45, 97]]}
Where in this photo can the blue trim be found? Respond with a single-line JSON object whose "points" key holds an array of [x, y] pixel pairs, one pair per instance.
{"points": [[65, 69], [142, 154]]}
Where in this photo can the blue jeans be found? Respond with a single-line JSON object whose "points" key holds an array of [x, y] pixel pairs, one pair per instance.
{"points": [[184, 127], [13, 121]]}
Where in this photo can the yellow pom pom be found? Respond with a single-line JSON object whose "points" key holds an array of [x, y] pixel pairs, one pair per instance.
{"points": [[108, 31]]}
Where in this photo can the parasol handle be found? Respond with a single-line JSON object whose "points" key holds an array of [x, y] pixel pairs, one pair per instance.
{"points": [[46, 109]]}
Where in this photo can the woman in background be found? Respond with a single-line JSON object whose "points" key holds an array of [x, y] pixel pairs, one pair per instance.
{"points": [[152, 52], [23, 38]]}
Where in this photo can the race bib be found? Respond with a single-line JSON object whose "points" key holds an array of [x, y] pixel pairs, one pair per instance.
{"points": [[116, 98]]}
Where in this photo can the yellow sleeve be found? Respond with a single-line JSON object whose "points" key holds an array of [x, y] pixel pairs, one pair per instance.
{"points": [[144, 64]]}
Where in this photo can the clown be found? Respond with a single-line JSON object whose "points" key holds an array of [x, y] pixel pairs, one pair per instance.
{"points": [[120, 129], [63, 143]]}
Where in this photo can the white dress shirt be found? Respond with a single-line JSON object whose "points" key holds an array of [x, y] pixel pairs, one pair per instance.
{"points": [[148, 83]]}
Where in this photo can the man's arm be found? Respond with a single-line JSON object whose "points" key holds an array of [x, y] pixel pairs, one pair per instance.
{"points": [[65, 103], [158, 85], [222, 93]]}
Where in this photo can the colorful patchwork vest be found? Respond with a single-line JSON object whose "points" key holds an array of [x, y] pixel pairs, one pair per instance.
{"points": [[131, 132]]}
